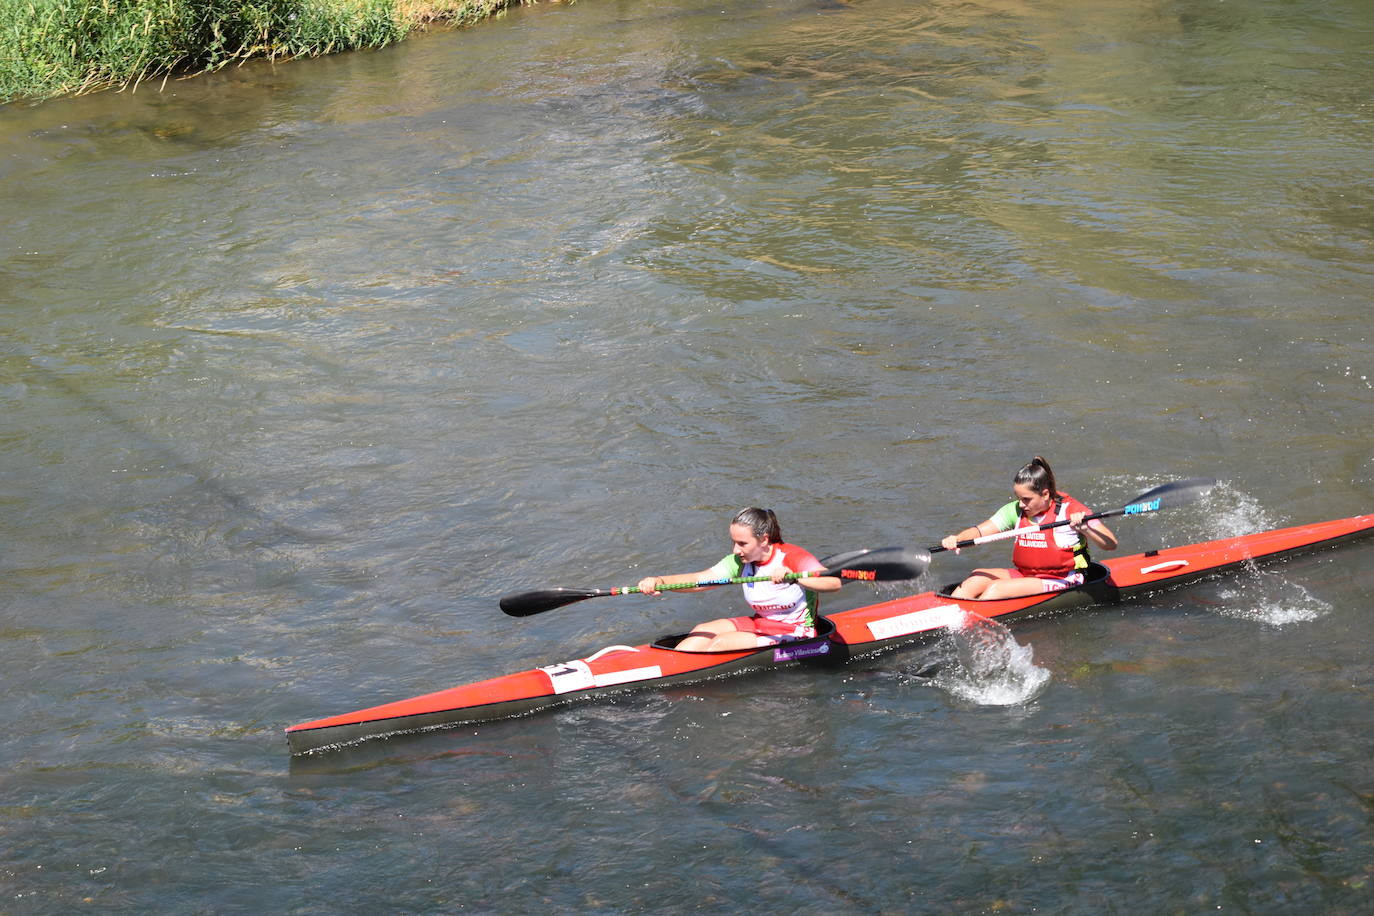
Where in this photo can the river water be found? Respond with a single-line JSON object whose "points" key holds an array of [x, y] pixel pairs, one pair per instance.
{"points": [[303, 366]]}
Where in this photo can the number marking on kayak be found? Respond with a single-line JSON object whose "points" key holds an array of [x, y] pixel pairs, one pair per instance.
{"points": [[577, 675]]}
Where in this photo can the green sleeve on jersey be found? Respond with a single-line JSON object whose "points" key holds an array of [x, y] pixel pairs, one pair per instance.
{"points": [[1007, 517], [729, 568]]}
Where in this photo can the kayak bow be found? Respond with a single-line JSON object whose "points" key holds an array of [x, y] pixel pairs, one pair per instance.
{"points": [[843, 635]]}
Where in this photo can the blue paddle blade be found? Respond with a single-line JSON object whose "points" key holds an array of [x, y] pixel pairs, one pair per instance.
{"points": [[1169, 495]]}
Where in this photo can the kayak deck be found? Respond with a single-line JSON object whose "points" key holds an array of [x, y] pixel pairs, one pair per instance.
{"points": [[901, 621], [607, 670]]}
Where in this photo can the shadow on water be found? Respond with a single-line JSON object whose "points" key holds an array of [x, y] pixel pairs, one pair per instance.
{"points": [[268, 528]]}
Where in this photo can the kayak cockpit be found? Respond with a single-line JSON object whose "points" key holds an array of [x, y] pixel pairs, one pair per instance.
{"points": [[1095, 584], [825, 628]]}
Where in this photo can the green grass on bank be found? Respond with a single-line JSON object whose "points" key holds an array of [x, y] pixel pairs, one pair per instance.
{"points": [[60, 47]]}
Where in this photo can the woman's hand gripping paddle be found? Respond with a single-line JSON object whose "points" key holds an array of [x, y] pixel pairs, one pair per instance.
{"points": [[882, 564]]}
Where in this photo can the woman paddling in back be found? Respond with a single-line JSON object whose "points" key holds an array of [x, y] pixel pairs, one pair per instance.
{"points": [[1044, 561], [783, 610]]}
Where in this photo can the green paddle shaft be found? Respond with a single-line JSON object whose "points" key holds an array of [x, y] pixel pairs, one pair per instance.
{"points": [[870, 565]]}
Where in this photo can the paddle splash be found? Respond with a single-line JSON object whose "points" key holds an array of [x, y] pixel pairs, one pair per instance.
{"points": [[977, 660]]}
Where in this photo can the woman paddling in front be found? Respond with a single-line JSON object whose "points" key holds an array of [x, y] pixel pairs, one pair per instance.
{"points": [[783, 610], [1044, 561]]}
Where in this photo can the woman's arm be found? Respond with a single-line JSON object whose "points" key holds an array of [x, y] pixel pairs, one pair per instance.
{"points": [[1098, 534], [968, 534], [822, 583]]}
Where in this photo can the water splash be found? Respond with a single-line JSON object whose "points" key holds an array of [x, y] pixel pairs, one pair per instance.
{"points": [[980, 662], [1224, 512], [1268, 598], [1256, 594], [1229, 512]]}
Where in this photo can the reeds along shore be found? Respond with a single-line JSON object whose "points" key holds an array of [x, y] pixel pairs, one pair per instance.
{"points": [[59, 47]]}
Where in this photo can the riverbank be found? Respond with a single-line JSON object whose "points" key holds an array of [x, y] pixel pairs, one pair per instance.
{"points": [[65, 47]]}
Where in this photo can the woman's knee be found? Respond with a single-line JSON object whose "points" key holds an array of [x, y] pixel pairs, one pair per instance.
{"points": [[975, 585], [1014, 588]]}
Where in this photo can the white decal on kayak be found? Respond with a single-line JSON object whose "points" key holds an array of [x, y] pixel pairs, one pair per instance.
{"points": [[946, 615], [625, 677], [570, 676], [577, 675]]}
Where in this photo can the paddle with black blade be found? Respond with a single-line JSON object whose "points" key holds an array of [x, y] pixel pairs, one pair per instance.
{"points": [[1164, 496], [881, 564]]}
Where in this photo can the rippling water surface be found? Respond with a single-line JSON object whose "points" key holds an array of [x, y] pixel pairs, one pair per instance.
{"points": [[303, 366]]}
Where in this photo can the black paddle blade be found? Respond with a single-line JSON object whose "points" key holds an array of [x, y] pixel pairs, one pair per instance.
{"points": [[1169, 495], [525, 604], [879, 564]]}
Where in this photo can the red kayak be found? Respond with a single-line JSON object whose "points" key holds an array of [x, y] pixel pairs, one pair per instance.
{"points": [[842, 636]]}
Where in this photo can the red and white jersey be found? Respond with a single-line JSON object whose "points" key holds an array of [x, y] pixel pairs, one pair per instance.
{"points": [[785, 602]]}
